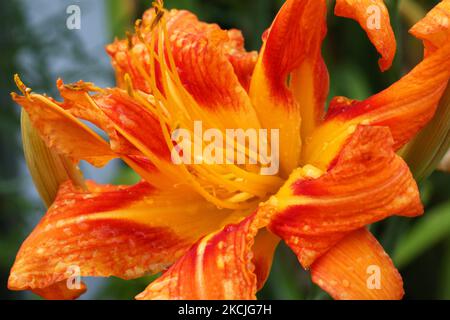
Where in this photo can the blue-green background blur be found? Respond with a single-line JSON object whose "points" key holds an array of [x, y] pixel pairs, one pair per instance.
{"points": [[35, 43]]}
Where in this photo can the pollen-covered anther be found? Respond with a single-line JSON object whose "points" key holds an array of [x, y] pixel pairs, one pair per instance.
{"points": [[22, 87]]}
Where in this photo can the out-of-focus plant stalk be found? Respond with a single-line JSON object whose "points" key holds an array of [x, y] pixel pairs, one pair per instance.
{"points": [[445, 163], [47, 168], [411, 11], [424, 153], [120, 16]]}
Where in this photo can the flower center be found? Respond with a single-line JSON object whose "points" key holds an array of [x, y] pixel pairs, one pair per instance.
{"points": [[233, 185]]}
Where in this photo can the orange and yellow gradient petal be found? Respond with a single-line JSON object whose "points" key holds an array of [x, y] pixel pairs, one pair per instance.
{"points": [[290, 72], [218, 267], [373, 16], [405, 108], [358, 268], [122, 231], [434, 28], [367, 182]]}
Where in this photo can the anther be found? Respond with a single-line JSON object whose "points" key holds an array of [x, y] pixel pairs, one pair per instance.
{"points": [[22, 87]]}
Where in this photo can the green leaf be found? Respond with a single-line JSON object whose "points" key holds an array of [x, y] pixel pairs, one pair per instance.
{"points": [[120, 17], [428, 231], [445, 276], [284, 282], [351, 81], [119, 289], [126, 176]]}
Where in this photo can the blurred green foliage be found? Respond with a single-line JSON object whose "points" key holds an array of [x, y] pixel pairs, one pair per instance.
{"points": [[12, 208], [420, 247]]}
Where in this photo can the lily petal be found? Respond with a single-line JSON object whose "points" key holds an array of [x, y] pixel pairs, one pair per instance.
{"points": [[243, 62], [218, 267], [129, 117], [373, 16], [291, 48], [366, 182], [79, 103], [60, 291], [434, 29], [405, 107], [201, 54], [113, 111], [180, 21], [263, 253], [58, 128], [211, 64], [121, 116], [119, 231], [230, 42], [357, 268]]}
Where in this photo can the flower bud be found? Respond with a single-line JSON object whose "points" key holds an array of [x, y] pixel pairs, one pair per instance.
{"points": [[47, 168]]}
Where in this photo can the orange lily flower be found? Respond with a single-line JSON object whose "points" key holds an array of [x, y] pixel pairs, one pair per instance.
{"points": [[213, 228]]}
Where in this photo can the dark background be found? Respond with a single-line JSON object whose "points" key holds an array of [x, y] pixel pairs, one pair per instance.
{"points": [[35, 43]]}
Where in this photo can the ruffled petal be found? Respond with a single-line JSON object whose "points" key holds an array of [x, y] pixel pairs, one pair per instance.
{"points": [[229, 42], [211, 63], [291, 46], [130, 117], [405, 107], [204, 56], [366, 182], [310, 86], [61, 291], [373, 16], [243, 62], [120, 116], [358, 268], [434, 29], [218, 267], [263, 253], [58, 128], [119, 231], [77, 101]]}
